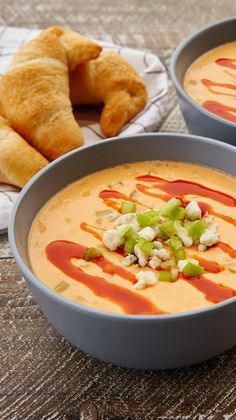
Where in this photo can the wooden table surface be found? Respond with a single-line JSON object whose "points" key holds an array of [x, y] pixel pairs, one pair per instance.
{"points": [[42, 376]]}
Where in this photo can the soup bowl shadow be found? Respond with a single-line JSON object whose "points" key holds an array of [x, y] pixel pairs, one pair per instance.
{"points": [[198, 120], [133, 341]]}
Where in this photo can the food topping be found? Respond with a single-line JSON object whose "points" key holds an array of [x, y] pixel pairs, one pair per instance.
{"points": [[145, 279], [159, 238]]}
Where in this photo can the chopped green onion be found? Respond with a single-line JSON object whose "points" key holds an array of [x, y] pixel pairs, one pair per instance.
{"points": [[167, 228], [145, 246], [61, 287], [130, 242], [192, 270], [196, 229], [165, 276], [171, 208], [127, 207], [92, 253], [149, 218]]}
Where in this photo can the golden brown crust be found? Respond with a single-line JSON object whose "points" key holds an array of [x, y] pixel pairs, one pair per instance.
{"points": [[79, 49], [112, 81], [18, 160], [35, 90]]}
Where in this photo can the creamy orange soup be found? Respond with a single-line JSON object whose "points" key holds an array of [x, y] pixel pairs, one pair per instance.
{"points": [[211, 81], [76, 218]]}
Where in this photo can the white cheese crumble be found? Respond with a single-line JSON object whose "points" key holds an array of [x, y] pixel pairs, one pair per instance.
{"points": [[163, 254], [193, 211], [126, 218], [158, 244], [201, 247], [145, 279], [128, 260], [209, 237], [185, 238], [111, 217], [147, 233], [112, 239], [209, 219], [142, 260], [154, 262]]}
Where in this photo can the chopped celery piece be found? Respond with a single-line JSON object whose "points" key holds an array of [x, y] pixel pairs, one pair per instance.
{"points": [[92, 253], [180, 254], [196, 229], [102, 212], [130, 242], [179, 213], [125, 231], [145, 246], [171, 208], [175, 243], [165, 276], [174, 274], [177, 248], [148, 218], [133, 194], [167, 265], [192, 270], [167, 228], [61, 287], [178, 225], [127, 207]]}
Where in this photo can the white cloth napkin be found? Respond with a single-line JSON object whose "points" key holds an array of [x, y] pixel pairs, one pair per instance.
{"points": [[147, 65]]}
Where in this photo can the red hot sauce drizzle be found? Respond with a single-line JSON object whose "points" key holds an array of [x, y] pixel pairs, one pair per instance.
{"points": [[177, 188], [208, 265], [227, 62], [60, 254], [180, 187], [223, 111], [213, 292], [106, 196], [227, 249]]}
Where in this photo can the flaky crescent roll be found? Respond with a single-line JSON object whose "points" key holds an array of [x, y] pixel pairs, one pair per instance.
{"points": [[35, 90], [112, 81], [18, 160]]}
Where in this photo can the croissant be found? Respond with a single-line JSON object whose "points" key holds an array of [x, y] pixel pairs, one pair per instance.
{"points": [[35, 90], [112, 81], [18, 160]]}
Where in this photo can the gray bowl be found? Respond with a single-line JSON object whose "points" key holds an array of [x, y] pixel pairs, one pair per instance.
{"points": [[199, 120], [134, 341]]}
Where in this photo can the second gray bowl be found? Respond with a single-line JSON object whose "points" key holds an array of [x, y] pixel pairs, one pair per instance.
{"points": [[199, 120]]}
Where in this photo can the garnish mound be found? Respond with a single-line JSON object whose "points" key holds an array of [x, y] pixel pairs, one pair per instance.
{"points": [[157, 239]]}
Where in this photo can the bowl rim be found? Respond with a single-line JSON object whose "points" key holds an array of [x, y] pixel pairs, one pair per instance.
{"points": [[178, 85], [86, 310]]}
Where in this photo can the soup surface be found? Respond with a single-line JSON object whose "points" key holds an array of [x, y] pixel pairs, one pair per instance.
{"points": [[78, 217], [211, 81]]}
